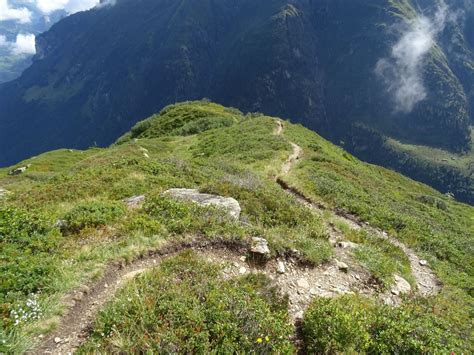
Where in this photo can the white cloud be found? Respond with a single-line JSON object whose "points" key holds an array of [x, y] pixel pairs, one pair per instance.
{"points": [[24, 45], [3, 41], [402, 72], [70, 6], [21, 15]]}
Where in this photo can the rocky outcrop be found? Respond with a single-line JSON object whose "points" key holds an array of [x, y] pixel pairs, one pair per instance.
{"points": [[18, 171], [229, 204]]}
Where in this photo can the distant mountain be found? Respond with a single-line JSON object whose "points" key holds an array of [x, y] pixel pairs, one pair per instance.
{"points": [[348, 69], [29, 21]]}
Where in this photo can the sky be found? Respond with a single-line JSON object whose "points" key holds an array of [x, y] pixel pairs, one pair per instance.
{"points": [[16, 11]]}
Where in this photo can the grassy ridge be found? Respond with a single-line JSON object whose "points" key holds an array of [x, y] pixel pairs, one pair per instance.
{"points": [[238, 156]]}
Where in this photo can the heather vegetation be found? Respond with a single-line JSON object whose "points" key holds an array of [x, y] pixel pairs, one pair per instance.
{"points": [[184, 306], [64, 221]]}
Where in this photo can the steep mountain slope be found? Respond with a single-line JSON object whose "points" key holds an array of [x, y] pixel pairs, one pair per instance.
{"points": [[75, 246], [96, 73]]}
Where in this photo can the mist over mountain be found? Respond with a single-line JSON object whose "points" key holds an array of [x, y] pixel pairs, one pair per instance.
{"points": [[358, 72]]}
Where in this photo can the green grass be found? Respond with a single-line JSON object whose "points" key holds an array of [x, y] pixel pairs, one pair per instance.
{"points": [[354, 324], [216, 150], [380, 257], [184, 306]]}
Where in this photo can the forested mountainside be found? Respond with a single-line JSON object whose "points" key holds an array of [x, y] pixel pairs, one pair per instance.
{"points": [[345, 69], [206, 230]]}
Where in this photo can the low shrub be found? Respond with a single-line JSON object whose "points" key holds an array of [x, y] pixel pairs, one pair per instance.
{"points": [[356, 324], [92, 214], [187, 217], [185, 307], [27, 261]]}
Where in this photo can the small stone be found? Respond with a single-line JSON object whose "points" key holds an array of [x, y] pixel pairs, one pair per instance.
{"points": [[84, 289], [313, 292], [347, 245], [259, 246], [281, 267], [243, 258], [423, 263], [146, 155], [106, 285], [242, 270], [303, 283], [401, 286], [342, 266], [60, 223], [236, 264], [134, 201], [57, 340], [299, 315]]}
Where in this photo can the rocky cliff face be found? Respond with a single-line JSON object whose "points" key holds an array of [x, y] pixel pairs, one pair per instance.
{"points": [[314, 62]]}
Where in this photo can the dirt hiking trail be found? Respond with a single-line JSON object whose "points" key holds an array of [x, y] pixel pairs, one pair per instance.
{"points": [[341, 275]]}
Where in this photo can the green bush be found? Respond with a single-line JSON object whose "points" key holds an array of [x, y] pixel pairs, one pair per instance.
{"points": [[92, 214], [331, 326], [356, 324], [185, 307], [187, 217], [144, 224], [28, 245], [203, 124]]}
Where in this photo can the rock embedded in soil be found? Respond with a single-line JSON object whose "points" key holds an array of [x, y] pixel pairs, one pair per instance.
{"points": [[347, 245], [401, 286], [260, 246], [281, 267], [302, 283], [134, 201], [342, 266], [229, 204]]}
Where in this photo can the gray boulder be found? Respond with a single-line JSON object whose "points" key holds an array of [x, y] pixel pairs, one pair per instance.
{"points": [[18, 171], [227, 203]]}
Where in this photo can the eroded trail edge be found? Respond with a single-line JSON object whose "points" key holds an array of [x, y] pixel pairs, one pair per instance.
{"points": [[76, 325], [427, 283]]}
